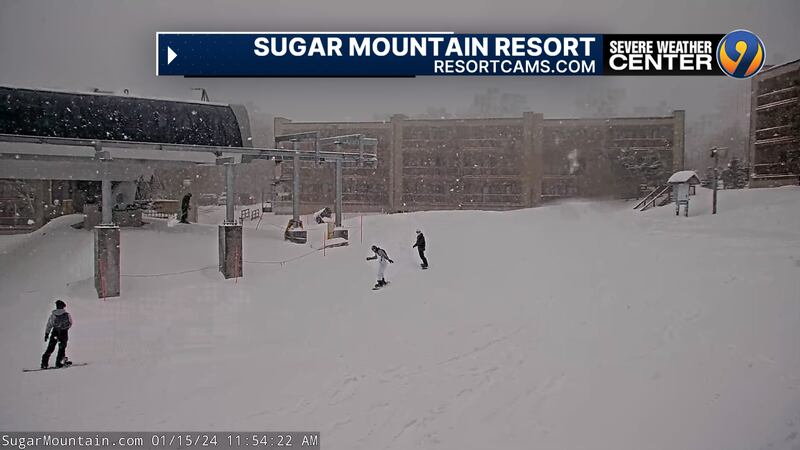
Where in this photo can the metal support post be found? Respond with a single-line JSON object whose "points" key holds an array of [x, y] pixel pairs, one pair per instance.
{"points": [[296, 184], [338, 202], [230, 195]]}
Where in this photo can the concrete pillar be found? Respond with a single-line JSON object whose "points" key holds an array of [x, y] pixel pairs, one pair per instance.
{"points": [[230, 250], [396, 164], [533, 157], [678, 141], [106, 261], [341, 233], [38, 192]]}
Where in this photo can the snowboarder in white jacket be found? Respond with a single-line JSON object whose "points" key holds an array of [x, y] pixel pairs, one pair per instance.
{"points": [[57, 332], [383, 260]]}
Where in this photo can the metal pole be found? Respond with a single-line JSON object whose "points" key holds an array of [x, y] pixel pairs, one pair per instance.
{"points": [[107, 203], [316, 150], [230, 195], [338, 203], [107, 217], [296, 184], [361, 152], [716, 179]]}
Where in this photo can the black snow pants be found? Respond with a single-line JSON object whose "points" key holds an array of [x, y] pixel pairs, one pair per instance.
{"points": [[59, 337], [421, 251]]}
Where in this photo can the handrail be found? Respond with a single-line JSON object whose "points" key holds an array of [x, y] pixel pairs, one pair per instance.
{"points": [[654, 193], [652, 202]]}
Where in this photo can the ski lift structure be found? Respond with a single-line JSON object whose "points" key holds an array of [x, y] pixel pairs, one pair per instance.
{"points": [[294, 230], [108, 161]]}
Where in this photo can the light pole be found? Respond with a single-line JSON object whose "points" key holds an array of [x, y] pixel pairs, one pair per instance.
{"points": [[715, 151]]}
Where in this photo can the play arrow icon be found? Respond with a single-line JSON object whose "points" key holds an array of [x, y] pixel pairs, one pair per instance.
{"points": [[171, 55]]}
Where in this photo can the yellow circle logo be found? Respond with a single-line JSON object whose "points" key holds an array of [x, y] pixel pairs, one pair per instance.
{"points": [[740, 54]]}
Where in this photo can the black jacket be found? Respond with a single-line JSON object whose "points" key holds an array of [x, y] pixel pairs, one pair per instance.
{"points": [[420, 242], [185, 202]]}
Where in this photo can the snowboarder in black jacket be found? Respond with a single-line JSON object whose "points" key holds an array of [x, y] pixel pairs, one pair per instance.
{"points": [[420, 245], [57, 332], [185, 205]]}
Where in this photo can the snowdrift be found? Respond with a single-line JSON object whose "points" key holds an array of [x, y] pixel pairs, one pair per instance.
{"points": [[581, 326]]}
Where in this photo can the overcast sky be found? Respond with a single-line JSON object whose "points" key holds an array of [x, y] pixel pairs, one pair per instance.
{"points": [[110, 44]]}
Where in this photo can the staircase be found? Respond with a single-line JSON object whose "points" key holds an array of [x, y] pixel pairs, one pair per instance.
{"points": [[660, 196]]}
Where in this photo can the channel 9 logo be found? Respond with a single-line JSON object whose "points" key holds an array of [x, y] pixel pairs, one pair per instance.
{"points": [[740, 54]]}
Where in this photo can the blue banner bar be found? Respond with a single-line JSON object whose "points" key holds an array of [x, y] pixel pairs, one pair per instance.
{"points": [[194, 54]]}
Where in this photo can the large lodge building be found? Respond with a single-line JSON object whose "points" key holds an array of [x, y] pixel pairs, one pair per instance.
{"points": [[500, 163], [775, 126]]}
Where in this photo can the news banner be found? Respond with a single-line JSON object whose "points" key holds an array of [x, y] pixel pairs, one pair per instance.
{"points": [[161, 440], [738, 54]]}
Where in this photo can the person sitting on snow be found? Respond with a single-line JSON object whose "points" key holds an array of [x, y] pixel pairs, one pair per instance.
{"points": [[57, 332], [382, 263], [322, 214]]}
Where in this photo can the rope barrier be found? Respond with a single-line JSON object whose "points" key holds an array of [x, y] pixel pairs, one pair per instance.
{"points": [[285, 260], [167, 274], [183, 272]]}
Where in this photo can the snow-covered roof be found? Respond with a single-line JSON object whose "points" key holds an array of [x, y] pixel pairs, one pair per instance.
{"points": [[113, 94], [684, 176], [778, 66]]}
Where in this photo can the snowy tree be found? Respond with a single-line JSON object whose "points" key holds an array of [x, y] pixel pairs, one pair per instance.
{"points": [[734, 176], [640, 166]]}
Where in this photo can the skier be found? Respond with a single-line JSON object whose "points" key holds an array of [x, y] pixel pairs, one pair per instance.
{"points": [[420, 245], [185, 207], [382, 262], [57, 332]]}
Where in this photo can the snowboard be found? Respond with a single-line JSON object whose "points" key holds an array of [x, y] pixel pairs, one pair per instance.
{"points": [[377, 288], [55, 368]]}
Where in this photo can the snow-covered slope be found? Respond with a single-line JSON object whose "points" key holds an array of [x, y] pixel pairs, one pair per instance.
{"points": [[574, 326]]}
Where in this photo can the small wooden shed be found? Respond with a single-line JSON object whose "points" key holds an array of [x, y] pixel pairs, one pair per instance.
{"points": [[682, 182]]}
